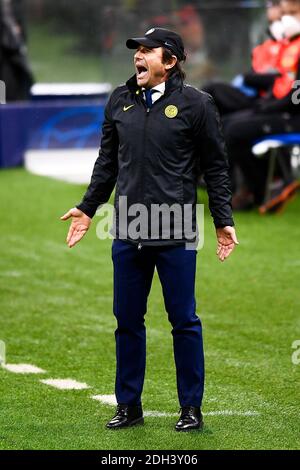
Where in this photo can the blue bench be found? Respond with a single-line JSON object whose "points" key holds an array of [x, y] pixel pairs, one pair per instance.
{"points": [[274, 145]]}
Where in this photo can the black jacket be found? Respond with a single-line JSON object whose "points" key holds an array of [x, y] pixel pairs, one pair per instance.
{"points": [[154, 159]]}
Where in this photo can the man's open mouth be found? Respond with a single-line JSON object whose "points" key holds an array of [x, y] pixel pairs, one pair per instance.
{"points": [[141, 71]]}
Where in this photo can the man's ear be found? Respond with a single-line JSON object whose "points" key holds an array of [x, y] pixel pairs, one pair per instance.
{"points": [[171, 63]]}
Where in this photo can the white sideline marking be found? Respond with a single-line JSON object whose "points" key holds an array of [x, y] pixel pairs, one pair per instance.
{"points": [[2, 353], [106, 399], [295, 262], [71, 165], [231, 413], [111, 400], [70, 89], [11, 274], [159, 414], [65, 384], [23, 369]]}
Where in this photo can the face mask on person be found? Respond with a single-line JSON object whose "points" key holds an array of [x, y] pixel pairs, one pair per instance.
{"points": [[291, 26], [277, 30]]}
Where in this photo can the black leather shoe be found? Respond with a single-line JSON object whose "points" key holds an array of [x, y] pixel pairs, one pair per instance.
{"points": [[191, 418], [126, 416]]}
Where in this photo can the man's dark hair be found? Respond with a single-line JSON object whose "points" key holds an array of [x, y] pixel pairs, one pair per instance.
{"points": [[167, 56]]}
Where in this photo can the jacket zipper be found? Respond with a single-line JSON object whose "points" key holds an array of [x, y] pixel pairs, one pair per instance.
{"points": [[145, 134], [145, 128], [142, 160]]}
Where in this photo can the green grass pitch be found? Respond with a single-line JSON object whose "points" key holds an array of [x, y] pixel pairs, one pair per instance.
{"points": [[56, 313]]}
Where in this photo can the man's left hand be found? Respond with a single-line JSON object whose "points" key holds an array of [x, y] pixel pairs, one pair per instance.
{"points": [[227, 241]]}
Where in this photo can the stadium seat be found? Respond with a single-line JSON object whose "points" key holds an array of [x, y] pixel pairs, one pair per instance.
{"points": [[279, 148]]}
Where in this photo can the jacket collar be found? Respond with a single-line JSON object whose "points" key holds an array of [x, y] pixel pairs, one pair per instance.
{"points": [[174, 82]]}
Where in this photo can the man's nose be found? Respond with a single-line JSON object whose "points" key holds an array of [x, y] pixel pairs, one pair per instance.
{"points": [[138, 55]]}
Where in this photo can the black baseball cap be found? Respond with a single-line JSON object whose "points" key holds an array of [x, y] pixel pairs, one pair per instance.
{"points": [[159, 37]]}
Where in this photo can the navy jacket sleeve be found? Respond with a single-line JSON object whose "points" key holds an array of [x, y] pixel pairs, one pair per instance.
{"points": [[261, 81], [213, 161], [105, 171]]}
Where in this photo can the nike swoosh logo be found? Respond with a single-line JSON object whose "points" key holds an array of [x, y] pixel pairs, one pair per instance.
{"points": [[127, 107]]}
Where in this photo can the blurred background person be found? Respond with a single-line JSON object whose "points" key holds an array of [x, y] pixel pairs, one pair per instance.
{"points": [[244, 89], [15, 71], [265, 55], [189, 23], [275, 114]]}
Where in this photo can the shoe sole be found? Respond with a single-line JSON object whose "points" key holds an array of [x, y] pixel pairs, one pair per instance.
{"points": [[136, 422]]}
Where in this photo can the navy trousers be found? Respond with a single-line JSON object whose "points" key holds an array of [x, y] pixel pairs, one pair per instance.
{"points": [[133, 273]]}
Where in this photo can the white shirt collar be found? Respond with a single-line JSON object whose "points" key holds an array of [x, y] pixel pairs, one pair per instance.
{"points": [[161, 88], [160, 91]]}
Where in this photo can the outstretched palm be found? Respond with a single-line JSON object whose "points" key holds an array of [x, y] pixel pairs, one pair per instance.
{"points": [[227, 241], [79, 226]]}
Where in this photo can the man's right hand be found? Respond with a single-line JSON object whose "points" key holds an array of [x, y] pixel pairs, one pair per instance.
{"points": [[79, 226]]}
